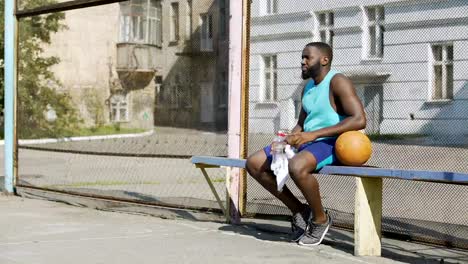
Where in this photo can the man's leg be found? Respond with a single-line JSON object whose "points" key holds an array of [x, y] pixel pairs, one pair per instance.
{"points": [[301, 168], [258, 167]]}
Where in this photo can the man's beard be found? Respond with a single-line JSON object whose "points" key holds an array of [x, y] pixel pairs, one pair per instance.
{"points": [[311, 71]]}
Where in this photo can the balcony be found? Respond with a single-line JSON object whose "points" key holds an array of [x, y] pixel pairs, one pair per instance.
{"points": [[136, 64], [140, 36]]}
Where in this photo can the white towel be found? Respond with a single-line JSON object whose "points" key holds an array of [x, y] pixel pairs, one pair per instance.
{"points": [[279, 166]]}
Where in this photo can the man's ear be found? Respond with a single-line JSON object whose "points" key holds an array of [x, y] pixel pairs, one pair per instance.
{"points": [[324, 60]]}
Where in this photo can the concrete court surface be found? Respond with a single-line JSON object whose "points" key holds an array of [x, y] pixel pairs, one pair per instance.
{"points": [[38, 231]]}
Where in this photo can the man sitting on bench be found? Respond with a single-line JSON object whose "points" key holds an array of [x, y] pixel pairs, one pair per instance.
{"points": [[330, 107]]}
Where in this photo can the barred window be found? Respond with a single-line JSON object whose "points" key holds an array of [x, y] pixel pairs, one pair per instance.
{"points": [[269, 83], [222, 18], [174, 26], [324, 27], [140, 22], [268, 7], [373, 29], [206, 24], [119, 107], [188, 20], [441, 59]]}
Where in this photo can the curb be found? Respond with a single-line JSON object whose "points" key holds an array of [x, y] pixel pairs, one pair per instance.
{"points": [[72, 139]]}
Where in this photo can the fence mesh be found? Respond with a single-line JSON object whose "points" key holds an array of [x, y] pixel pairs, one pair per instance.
{"points": [[114, 99], [407, 61]]}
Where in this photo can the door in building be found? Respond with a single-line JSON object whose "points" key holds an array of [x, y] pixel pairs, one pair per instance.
{"points": [[372, 98], [206, 102]]}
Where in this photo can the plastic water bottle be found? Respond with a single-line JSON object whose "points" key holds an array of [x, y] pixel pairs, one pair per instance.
{"points": [[280, 143], [279, 164]]}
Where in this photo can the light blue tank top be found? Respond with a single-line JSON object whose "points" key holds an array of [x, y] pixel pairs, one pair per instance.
{"points": [[316, 104]]}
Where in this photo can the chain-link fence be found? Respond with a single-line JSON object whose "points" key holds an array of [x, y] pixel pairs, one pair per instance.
{"points": [[114, 99], [407, 60]]}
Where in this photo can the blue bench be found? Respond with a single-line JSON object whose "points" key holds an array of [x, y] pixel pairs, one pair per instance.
{"points": [[368, 198]]}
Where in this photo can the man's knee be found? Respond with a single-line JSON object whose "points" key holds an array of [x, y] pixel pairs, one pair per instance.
{"points": [[253, 165], [300, 169]]}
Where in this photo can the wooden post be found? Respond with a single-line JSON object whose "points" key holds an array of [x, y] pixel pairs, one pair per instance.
{"points": [[236, 20], [368, 217]]}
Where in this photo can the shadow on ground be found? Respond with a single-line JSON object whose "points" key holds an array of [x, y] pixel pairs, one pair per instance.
{"points": [[343, 241]]}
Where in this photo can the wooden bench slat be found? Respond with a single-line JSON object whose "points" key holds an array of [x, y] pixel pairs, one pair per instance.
{"points": [[433, 176], [219, 161]]}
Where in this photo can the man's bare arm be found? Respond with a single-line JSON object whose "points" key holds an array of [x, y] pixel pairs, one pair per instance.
{"points": [[302, 116], [300, 122], [344, 91]]}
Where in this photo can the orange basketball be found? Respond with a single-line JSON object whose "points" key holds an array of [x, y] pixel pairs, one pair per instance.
{"points": [[353, 148]]}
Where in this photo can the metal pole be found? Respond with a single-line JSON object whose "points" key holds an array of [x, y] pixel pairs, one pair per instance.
{"points": [[245, 103], [9, 110]]}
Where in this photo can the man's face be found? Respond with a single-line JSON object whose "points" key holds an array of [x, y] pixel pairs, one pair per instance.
{"points": [[310, 62]]}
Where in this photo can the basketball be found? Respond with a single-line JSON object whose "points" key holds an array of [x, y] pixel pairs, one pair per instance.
{"points": [[353, 148]]}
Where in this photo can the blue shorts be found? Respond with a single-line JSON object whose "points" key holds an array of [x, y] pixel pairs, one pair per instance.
{"points": [[323, 151]]}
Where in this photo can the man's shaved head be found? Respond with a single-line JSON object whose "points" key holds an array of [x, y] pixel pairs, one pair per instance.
{"points": [[324, 48], [316, 56]]}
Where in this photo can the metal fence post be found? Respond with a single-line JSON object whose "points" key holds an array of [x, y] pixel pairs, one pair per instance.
{"points": [[10, 91]]}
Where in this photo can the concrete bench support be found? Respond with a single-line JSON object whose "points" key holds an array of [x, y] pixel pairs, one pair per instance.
{"points": [[368, 217]]}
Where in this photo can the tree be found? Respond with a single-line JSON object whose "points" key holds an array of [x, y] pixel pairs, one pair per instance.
{"points": [[37, 85]]}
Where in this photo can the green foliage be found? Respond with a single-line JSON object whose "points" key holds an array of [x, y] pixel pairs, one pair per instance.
{"points": [[37, 86], [117, 127]]}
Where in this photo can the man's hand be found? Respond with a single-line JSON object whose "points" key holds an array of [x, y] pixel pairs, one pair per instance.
{"points": [[273, 146], [298, 139]]}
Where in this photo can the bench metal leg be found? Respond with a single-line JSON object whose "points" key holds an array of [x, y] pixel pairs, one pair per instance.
{"points": [[368, 217], [215, 193]]}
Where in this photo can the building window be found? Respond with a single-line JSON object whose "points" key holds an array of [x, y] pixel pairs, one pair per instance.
{"points": [[155, 19], [373, 31], [222, 18], [223, 90], [174, 27], [174, 96], [206, 24], [188, 95], [268, 7], [119, 107], [269, 82], [140, 22], [324, 27], [188, 20], [441, 60], [158, 85]]}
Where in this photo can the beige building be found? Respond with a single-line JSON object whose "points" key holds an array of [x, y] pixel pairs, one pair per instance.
{"points": [[143, 63]]}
